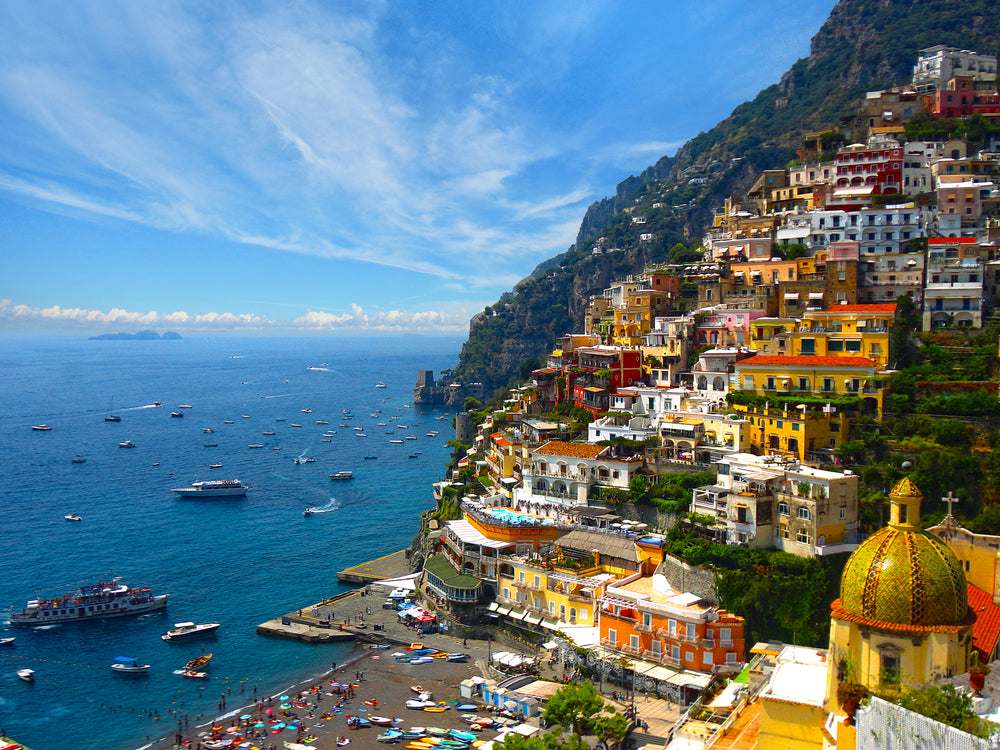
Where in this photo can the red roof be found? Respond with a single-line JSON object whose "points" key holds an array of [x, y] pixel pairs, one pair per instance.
{"points": [[888, 307], [778, 360], [986, 631]]}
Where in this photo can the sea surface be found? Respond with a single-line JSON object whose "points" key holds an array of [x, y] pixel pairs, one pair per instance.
{"points": [[237, 561]]}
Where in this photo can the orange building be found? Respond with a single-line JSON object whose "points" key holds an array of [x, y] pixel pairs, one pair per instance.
{"points": [[643, 616]]}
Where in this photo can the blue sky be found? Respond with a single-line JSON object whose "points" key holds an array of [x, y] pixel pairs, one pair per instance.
{"points": [[338, 166]]}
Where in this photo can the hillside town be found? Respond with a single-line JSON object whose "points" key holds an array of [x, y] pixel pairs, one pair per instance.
{"points": [[745, 376]]}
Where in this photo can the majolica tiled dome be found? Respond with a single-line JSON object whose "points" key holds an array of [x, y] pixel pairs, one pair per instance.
{"points": [[904, 576]]}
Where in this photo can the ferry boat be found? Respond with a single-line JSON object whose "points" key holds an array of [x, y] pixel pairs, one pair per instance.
{"points": [[182, 630], [93, 602], [215, 488]]}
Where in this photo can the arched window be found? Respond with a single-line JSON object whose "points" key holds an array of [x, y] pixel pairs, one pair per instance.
{"points": [[783, 509], [804, 513]]}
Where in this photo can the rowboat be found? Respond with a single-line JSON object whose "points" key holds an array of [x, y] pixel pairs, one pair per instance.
{"points": [[435, 709]]}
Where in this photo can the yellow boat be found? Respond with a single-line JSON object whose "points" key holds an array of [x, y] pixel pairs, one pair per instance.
{"points": [[435, 709], [478, 743], [417, 746]]}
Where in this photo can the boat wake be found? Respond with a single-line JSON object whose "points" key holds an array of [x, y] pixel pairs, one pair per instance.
{"points": [[278, 395], [332, 504]]}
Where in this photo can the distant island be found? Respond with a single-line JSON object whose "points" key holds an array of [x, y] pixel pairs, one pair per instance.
{"points": [[140, 336]]}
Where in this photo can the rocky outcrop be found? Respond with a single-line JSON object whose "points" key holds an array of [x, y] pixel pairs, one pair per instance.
{"points": [[428, 391]]}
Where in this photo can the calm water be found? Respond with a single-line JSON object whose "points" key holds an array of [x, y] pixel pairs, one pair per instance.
{"points": [[240, 562]]}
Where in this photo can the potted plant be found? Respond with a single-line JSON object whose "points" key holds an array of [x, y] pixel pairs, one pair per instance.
{"points": [[850, 695], [977, 675]]}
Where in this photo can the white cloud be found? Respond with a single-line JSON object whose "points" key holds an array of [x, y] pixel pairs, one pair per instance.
{"points": [[55, 317]]}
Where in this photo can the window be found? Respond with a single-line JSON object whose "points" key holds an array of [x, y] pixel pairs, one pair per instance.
{"points": [[726, 637], [672, 628], [657, 647], [803, 513], [803, 536], [843, 512], [827, 384], [783, 509], [783, 530], [612, 637], [748, 382], [808, 346], [730, 657], [633, 642], [538, 582], [647, 619]]}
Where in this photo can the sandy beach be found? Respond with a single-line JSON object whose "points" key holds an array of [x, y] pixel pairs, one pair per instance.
{"points": [[322, 711]]}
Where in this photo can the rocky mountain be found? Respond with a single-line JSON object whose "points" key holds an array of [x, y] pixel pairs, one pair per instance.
{"points": [[864, 45]]}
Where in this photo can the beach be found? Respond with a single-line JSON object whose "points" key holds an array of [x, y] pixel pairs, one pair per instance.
{"points": [[322, 708]]}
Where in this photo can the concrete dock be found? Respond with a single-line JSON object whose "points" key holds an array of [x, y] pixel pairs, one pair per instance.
{"points": [[392, 565], [339, 618]]}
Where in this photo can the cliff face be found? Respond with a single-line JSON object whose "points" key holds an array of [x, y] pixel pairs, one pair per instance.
{"points": [[863, 45]]}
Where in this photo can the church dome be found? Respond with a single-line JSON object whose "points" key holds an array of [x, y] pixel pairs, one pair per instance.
{"points": [[902, 575]]}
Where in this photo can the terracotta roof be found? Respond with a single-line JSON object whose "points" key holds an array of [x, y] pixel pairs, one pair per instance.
{"points": [[578, 450], [804, 361], [888, 307], [986, 631]]}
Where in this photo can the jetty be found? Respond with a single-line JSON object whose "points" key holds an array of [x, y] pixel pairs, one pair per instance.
{"points": [[382, 568], [332, 620]]}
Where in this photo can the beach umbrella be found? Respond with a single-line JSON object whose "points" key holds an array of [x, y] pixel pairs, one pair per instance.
{"points": [[245, 716], [283, 698], [269, 711]]}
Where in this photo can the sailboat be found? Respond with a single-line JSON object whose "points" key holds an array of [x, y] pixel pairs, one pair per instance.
{"points": [[111, 416]]}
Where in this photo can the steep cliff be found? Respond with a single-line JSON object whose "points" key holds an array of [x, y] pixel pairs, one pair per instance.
{"points": [[863, 45]]}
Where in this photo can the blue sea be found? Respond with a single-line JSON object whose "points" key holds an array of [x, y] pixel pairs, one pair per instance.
{"points": [[240, 562]]}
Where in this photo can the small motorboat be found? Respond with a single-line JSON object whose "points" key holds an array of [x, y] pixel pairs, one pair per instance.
{"points": [[184, 630], [342, 475], [215, 466], [7, 641], [380, 721], [41, 427], [73, 517], [176, 414], [28, 675], [78, 460], [191, 675], [129, 665], [196, 664], [126, 444]]}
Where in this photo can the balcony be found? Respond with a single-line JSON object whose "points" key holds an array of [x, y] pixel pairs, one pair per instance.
{"points": [[641, 627]]}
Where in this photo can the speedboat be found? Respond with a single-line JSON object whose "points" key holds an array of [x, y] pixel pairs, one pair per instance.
{"points": [[40, 427], [190, 674], [7, 641], [28, 675], [380, 384], [129, 665], [73, 517], [343, 475], [197, 664], [176, 414], [190, 630], [126, 444], [78, 460]]}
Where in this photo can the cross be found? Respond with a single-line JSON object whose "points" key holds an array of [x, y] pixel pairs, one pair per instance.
{"points": [[949, 498]]}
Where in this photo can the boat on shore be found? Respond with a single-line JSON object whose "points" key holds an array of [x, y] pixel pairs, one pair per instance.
{"points": [[342, 475], [96, 601], [28, 675], [215, 488], [129, 665], [186, 630]]}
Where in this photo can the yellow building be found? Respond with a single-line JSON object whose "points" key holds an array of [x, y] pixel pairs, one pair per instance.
{"points": [[979, 554], [824, 377], [903, 615], [791, 707], [803, 434]]}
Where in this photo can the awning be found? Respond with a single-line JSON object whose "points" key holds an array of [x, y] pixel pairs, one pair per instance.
{"points": [[815, 295], [503, 611], [549, 625], [791, 295], [533, 619], [549, 645], [517, 615], [493, 607]]}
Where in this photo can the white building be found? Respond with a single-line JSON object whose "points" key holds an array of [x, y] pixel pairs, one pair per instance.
{"points": [[939, 64]]}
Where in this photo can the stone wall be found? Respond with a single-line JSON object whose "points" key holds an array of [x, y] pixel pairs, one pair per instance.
{"points": [[684, 577]]}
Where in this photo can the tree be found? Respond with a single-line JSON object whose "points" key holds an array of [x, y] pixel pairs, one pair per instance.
{"points": [[572, 707], [611, 729], [947, 706], [472, 404]]}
